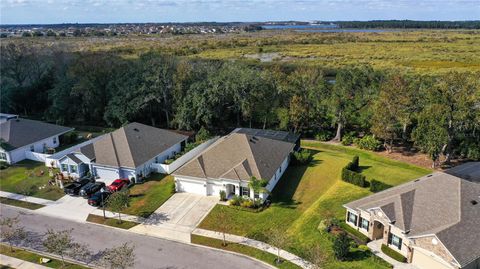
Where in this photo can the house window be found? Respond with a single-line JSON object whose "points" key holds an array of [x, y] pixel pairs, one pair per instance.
{"points": [[54, 140], [256, 195], [395, 240], [3, 156], [245, 191], [73, 169], [32, 148], [352, 218], [64, 167], [364, 224]]}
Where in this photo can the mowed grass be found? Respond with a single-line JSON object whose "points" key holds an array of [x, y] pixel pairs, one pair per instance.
{"points": [[145, 198], [113, 222], [23, 203], [27, 175], [249, 251], [307, 194]]}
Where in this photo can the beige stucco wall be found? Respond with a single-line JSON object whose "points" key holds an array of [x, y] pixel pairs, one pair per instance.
{"points": [[438, 249]]}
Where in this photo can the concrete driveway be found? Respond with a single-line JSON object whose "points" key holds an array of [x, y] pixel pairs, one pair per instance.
{"points": [[68, 207], [177, 217]]}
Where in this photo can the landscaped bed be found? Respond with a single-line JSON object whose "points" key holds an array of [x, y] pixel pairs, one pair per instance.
{"points": [[249, 251], [113, 222], [308, 194], [32, 176], [24, 204]]}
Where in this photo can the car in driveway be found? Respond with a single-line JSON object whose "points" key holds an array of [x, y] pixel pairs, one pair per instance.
{"points": [[118, 184], [74, 187], [91, 188], [99, 198]]}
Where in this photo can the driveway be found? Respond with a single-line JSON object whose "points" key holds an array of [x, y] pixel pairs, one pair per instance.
{"points": [[177, 217], [68, 207]]}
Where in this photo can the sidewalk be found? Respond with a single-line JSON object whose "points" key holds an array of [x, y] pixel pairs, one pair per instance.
{"points": [[376, 245], [17, 263], [255, 244]]}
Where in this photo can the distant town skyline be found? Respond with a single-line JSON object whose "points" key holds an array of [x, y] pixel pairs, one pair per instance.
{"points": [[140, 11]]}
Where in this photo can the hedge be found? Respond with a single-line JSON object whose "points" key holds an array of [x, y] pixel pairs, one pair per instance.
{"points": [[356, 235], [376, 186], [393, 254], [354, 178]]}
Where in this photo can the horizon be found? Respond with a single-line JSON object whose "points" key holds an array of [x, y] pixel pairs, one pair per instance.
{"points": [[19, 12]]}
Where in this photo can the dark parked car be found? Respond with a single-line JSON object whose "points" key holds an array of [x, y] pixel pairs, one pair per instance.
{"points": [[99, 198], [118, 184], [74, 188], [91, 188]]}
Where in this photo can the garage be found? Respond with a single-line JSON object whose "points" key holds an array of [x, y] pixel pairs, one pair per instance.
{"points": [[213, 189], [107, 175], [127, 174], [190, 186], [422, 260]]}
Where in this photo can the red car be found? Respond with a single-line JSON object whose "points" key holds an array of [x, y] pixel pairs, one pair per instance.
{"points": [[118, 184]]}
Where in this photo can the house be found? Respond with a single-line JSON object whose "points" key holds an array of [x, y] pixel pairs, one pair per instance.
{"points": [[127, 152], [19, 137], [229, 163], [433, 221]]}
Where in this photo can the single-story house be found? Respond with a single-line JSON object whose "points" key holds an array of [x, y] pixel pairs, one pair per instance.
{"points": [[19, 136], [127, 152], [230, 163], [433, 221]]}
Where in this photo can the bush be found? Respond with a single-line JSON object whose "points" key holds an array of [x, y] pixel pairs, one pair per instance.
{"points": [[354, 177], [247, 203], [3, 165], [348, 139], [69, 138], [376, 186], [369, 142], [236, 200], [323, 135], [202, 135], [303, 156], [223, 195], [363, 248], [353, 233], [341, 246], [257, 235], [168, 161], [393, 254]]}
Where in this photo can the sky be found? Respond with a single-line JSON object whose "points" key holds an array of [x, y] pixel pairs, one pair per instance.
{"points": [[118, 11]]}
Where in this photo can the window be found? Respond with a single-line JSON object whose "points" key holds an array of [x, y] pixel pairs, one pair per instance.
{"points": [[64, 167], [32, 148], [73, 169], [395, 240], [364, 224], [3, 156], [352, 218], [54, 140], [245, 191], [256, 195]]}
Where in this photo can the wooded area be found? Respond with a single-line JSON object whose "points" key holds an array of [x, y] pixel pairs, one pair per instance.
{"points": [[439, 113]]}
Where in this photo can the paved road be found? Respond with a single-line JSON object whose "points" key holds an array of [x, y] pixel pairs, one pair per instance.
{"points": [[150, 252]]}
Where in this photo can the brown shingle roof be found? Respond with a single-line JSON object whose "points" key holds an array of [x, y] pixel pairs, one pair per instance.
{"points": [[238, 157], [439, 204], [131, 145], [22, 132]]}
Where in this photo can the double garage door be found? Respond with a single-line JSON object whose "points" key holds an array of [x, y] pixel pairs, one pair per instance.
{"points": [[198, 187], [108, 175], [424, 261]]}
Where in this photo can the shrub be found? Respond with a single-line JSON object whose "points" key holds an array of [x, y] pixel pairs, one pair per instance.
{"points": [[223, 195], [168, 161], [202, 135], [354, 177], [369, 142], [348, 139], [376, 186], [247, 203], [363, 248], [393, 254], [353, 233], [303, 156], [236, 200], [257, 235], [3, 165], [341, 246], [323, 135]]}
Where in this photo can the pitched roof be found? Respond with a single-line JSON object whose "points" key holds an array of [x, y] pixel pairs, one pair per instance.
{"points": [[21, 132], [238, 156], [439, 204], [131, 145], [72, 157], [272, 134]]}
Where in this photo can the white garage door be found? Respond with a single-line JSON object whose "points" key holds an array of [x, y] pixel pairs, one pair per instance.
{"points": [[106, 175], [424, 261], [214, 190], [191, 187]]}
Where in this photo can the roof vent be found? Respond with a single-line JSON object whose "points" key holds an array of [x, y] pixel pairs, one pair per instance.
{"points": [[136, 130], [473, 202]]}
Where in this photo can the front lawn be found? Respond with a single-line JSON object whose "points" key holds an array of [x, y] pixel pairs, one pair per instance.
{"points": [[113, 222], [23, 203], [145, 198], [307, 194], [27, 175]]}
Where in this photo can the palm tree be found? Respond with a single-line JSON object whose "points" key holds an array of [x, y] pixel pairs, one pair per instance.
{"points": [[258, 186]]}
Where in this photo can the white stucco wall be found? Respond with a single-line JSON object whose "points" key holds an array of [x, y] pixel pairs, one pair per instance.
{"points": [[146, 168], [18, 154]]}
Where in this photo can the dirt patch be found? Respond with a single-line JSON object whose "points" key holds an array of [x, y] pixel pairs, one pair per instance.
{"points": [[409, 156]]}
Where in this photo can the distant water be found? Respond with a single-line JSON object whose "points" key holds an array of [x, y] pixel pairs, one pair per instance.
{"points": [[325, 28]]}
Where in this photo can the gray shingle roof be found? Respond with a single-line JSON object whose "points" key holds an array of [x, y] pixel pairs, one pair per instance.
{"points": [[22, 132], [238, 156], [439, 204], [272, 134], [131, 145]]}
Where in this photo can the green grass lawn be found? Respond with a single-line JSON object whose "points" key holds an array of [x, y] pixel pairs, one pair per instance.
{"points": [[249, 251], [34, 258], [113, 222], [307, 194], [24, 204], [145, 198], [27, 175]]}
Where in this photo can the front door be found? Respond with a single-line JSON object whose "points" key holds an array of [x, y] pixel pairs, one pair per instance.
{"points": [[377, 230]]}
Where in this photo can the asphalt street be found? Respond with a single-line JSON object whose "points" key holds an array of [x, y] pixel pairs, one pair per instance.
{"points": [[150, 252]]}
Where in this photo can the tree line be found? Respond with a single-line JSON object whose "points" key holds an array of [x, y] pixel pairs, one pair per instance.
{"points": [[439, 114], [409, 24]]}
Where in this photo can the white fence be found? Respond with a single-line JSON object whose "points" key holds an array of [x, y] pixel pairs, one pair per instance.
{"points": [[35, 156], [53, 159], [170, 168]]}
